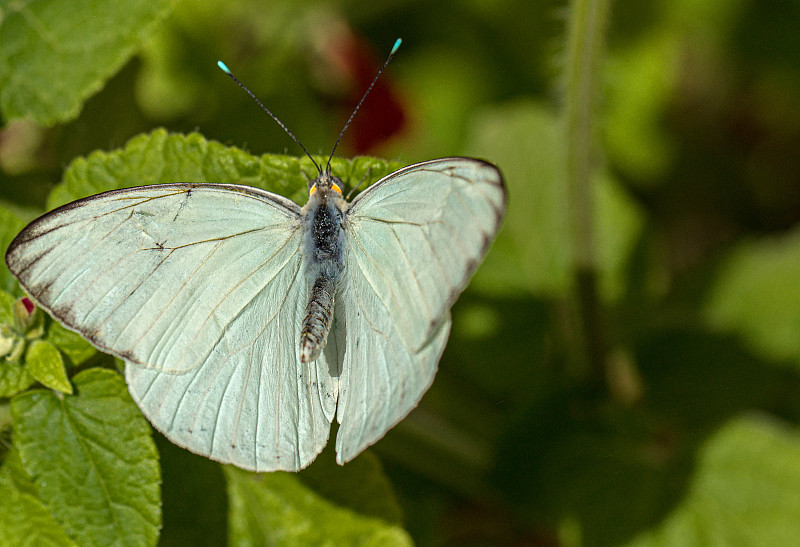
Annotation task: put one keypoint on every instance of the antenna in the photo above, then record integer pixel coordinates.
(350, 119)
(227, 71)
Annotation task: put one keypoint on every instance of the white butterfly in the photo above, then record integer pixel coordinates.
(220, 299)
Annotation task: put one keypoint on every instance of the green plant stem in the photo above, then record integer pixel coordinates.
(585, 52)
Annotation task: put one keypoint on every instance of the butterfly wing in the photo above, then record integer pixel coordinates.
(413, 241)
(198, 288)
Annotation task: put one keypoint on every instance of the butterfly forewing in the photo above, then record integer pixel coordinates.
(419, 234)
(154, 274)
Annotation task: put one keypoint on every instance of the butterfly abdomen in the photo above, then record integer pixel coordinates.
(324, 255)
(317, 322)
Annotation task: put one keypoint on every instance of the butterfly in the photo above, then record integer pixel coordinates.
(248, 323)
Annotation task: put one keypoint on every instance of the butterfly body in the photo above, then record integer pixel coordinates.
(323, 218)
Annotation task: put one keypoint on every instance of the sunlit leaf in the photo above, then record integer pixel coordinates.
(54, 55)
(277, 509)
(24, 518)
(159, 158)
(70, 343)
(44, 362)
(92, 460)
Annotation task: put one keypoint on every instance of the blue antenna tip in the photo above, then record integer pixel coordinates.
(396, 45)
(224, 67)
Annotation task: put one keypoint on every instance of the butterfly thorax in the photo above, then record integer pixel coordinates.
(324, 261)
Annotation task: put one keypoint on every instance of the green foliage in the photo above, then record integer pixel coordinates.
(10, 225)
(525, 138)
(726, 503)
(375, 496)
(33, 348)
(687, 431)
(14, 377)
(277, 509)
(162, 158)
(24, 517)
(45, 364)
(75, 348)
(54, 55)
(757, 295)
(91, 460)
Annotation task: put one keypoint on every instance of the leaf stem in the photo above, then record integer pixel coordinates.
(587, 23)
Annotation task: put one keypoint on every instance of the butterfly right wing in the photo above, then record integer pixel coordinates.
(199, 288)
(414, 239)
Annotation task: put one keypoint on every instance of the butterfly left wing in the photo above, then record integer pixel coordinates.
(413, 241)
(200, 288)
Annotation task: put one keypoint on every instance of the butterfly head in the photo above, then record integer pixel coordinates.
(325, 184)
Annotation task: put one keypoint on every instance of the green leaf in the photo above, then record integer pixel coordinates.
(756, 294)
(92, 460)
(44, 362)
(277, 509)
(10, 226)
(361, 485)
(734, 501)
(532, 252)
(69, 343)
(14, 379)
(24, 518)
(160, 157)
(54, 55)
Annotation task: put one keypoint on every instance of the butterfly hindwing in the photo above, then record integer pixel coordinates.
(251, 403)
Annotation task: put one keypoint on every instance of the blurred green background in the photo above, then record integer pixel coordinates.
(690, 436)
